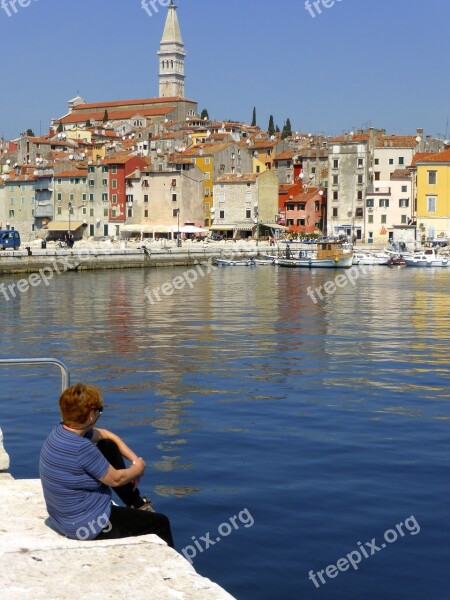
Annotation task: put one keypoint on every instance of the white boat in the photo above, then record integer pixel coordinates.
(222, 262)
(327, 254)
(426, 258)
(371, 258)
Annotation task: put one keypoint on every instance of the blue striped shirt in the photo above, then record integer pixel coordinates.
(70, 467)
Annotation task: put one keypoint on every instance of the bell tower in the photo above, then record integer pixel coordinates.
(171, 57)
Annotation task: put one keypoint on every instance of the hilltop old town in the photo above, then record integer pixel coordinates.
(155, 167)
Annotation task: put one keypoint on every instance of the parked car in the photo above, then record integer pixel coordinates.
(9, 239)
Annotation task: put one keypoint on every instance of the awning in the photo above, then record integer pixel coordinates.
(158, 228)
(131, 228)
(272, 226)
(222, 228)
(64, 225)
(191, 229)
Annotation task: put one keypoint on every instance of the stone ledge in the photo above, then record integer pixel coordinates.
(4, 458)
(38, 563)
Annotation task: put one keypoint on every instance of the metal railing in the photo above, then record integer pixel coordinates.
(65, 376)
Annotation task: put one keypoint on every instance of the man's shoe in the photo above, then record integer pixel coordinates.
(147, 505)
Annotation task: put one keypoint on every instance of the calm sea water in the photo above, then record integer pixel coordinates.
(327, 423)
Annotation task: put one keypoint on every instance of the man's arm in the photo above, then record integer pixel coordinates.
(104, 434)
(116, 477)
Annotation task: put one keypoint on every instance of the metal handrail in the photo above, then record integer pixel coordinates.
(65, 375)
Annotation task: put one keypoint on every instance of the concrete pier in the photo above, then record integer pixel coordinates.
(38, 563)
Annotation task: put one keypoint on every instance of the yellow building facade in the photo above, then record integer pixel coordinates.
(433, 195)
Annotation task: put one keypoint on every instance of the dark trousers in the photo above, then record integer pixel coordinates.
(125, 521)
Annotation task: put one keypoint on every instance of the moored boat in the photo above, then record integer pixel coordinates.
(327, 254)
(371, 258)
(222, 262)
(427, 258)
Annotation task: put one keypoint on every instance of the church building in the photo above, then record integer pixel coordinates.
(171, 105)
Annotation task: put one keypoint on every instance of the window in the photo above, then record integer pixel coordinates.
(360, 195)
(84, 197)
(301, 206)
(114, 169)
(432, 177)
(370, 218)
(104, 169)
(59, 196)
(91, 183)
(175, 212)
(289, 207)
(377, 161)
(360, 179)
(113, 212)
(23, 199)
(370, 202)
(146, 212)
(207, 160)
(335, 195)
(71, 197)
(174, 197)
(335, 163)
(104, 198)
(360, 162)
(248, 214)
(300, 222)
(91, 212)
(383, 219)
(384, 203)
(359, 212)
(145, 197)
(431, 203)
(335, 179)
(11, 213)
(221, 214)
(404, 219)
(391, 161)
(404, 189)
(105, 182)
(130, 212)
(11, 200)
(114, 184)
(91, 169)
(207, 176)
(401, 160)
(59, 181)
(403, 203)
(71, 210)
(59, 210)
(105, 212)
(114, 198)
(335, 212)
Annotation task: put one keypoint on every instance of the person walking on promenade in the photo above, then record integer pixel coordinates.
(79, 464)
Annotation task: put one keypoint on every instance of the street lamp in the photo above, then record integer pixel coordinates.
(178, 228)
(70, 211)
(256, 221)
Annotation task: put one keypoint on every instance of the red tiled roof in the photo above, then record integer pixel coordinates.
(396, 141)
(119, 103)
(286, 155)
(434, 158)
(208, 149)
(238, 178)
(114, 115)
(74, 173)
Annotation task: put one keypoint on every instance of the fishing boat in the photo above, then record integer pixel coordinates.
(327, 254)
(371, 258)
(427, 258)
(222, 262)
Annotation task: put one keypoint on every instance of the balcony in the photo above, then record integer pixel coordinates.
(375, 189)
(43, 185)
(43, 210)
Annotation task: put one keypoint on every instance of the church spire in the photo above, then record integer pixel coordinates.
(171, 57)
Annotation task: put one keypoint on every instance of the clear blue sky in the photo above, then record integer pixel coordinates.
(379, 62)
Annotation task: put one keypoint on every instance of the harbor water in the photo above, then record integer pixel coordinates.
(284, 431)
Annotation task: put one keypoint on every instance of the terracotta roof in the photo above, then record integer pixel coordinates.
(419, 157)
(396, 141)
(74, 173)
(357, 137)
(286, 155)
(114, 115)
(20, 178)
(119, 103)
(400, 174)
(176, 159)
(238, 178)
(208, 149)
(433, 158)
(264, 144)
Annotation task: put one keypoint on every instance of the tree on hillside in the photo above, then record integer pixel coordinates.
(105, 116)
(205, 114)
(277, 129)
(271, 128)
(287, 129)
(30, 133)
(254, 117)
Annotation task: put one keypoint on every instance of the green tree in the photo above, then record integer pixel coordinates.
(254, 117)
(30, 133)
(287, 129)
(205, 114)
(105, 116)
(277, 129)
(271, 128)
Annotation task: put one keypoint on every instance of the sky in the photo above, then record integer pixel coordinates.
(359, 63)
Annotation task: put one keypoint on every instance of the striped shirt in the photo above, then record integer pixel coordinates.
(70, 467)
